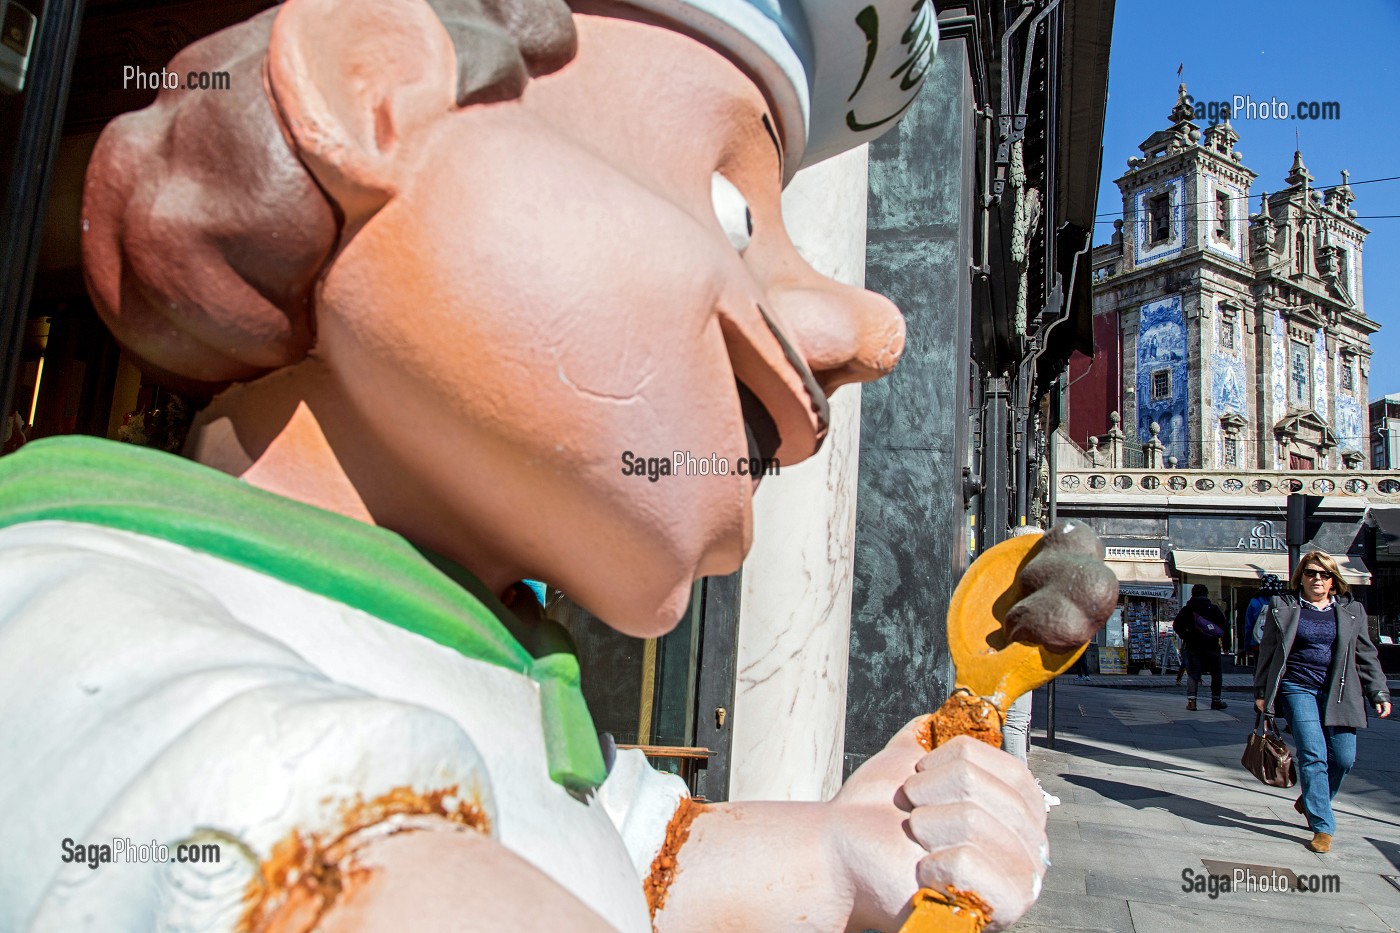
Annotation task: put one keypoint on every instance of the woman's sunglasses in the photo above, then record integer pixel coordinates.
(1316, 572)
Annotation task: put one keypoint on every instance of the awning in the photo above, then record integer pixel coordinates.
(1143, 578)
(1387, 525)
(1252, 565)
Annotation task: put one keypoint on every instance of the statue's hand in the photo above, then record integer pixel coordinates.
(964, 815)
(1069, 591)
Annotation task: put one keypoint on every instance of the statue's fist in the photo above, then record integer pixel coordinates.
(964, 815)
(1070, 592)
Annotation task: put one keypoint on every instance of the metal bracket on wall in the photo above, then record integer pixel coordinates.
(1011, 129)
(1011, 122)
(1054, 305)
(981, 266)
(971, 488)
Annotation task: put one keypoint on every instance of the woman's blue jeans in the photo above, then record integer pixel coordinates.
(1324, 756)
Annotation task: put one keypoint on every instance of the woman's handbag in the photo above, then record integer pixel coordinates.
(1266, 757)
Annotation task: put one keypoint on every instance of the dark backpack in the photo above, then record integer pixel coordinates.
(1206, 627)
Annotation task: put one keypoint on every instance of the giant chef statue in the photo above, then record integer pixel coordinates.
(436, 263)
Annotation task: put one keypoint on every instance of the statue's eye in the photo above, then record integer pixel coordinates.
(732, 211)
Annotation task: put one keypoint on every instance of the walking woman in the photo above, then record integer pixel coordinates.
(1316, 661)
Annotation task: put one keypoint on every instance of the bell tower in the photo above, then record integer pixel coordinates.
(1183, 310)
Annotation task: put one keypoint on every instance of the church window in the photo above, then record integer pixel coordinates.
(1159, 217)
(1222, 216)
(1162, 384)
(1348, 380)
(1299, 242)
(1299, 370)
(1232, 453)
(1227, 335)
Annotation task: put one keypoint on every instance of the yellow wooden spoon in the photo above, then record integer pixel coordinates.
(991, 672)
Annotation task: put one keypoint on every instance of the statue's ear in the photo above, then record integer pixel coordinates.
(354, 81)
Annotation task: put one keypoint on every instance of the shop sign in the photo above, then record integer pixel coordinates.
(1261, 537)
(1231, 533)
(1147, 590)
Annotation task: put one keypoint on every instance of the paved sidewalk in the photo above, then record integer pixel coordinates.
(1150, 790)
(1229, 682)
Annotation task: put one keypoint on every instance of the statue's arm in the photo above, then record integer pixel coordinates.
(441, 879)
(758, 866)
(965, 815)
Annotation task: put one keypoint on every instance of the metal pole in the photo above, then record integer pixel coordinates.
(1052, 462)
(1021, 438)
(22, 211)
(996, 470)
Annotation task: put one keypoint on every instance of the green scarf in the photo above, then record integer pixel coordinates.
(83, 479)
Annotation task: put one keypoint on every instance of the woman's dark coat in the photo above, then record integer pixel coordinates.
(1354, 661)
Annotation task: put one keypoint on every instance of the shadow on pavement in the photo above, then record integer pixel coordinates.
(1390, 850)
(1192, 808)
(1116, 756)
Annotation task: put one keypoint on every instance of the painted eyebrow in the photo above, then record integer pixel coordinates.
(777, 146)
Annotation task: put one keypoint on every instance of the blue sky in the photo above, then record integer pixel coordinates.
(1294, 51)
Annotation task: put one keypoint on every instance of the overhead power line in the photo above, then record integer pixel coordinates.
(1357, 217)
(1250, 197)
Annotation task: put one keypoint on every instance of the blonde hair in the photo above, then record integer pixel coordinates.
(1328, 563)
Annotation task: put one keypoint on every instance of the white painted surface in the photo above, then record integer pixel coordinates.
(152, 691)
(795, 614)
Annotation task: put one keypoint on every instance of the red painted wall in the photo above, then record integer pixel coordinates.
(1094, 383)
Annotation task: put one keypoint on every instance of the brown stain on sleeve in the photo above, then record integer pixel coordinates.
(305, 873)
(663, 867)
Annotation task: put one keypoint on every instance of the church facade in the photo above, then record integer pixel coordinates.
(1241, 337)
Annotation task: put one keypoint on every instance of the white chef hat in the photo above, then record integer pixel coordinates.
(836, 73)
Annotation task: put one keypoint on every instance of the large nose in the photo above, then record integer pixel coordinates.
(845, 334)
(799, 338)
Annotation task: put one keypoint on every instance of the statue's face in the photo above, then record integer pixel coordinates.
(551, 289)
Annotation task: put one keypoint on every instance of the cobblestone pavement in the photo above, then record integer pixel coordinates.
(1151, 790)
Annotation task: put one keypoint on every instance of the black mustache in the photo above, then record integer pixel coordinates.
(759, 427)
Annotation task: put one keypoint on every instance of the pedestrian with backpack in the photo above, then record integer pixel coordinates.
(1200, 623)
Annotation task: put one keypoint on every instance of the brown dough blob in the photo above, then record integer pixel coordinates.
(1071, 591)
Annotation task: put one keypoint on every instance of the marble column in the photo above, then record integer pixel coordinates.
(912, 533)
(795, 610)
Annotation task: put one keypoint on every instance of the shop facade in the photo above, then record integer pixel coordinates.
(1225, 531)
(1138, 634)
